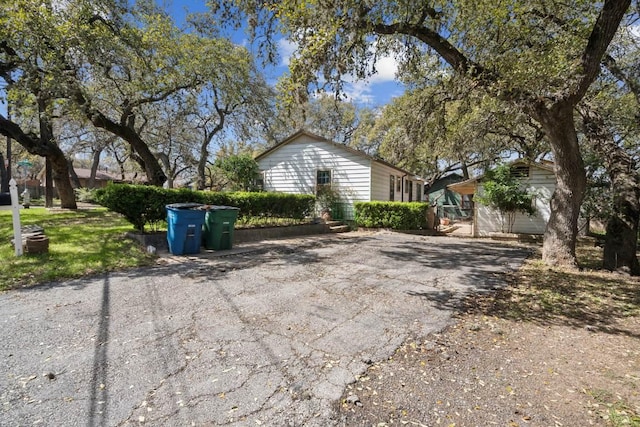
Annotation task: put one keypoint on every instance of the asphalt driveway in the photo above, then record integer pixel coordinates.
(268, 335)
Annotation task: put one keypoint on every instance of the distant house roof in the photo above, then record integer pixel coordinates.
(469, 186)
(84, 173)
(301, 132)
(442, 182)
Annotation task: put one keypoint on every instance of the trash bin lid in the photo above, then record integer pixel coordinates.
(221, 208)
(183, 205)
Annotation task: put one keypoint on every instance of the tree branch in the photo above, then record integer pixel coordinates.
(442, 46)
(619, 74)
(603, 31)
(30, 141)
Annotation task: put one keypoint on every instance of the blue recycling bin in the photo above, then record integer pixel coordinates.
(184, 228)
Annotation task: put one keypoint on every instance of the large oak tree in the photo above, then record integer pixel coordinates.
(112, 62)
(539, 55)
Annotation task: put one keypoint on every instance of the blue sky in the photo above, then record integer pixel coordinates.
(376, 91)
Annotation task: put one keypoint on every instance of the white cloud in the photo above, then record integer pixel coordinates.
(368, 91)
(387, 68)
(285, 50)
(361, 91)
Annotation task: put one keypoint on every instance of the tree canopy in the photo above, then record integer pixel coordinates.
(116, 66)
(539, 56)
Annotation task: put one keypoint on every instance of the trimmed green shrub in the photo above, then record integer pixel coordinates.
(394, 215)
(272, 205)
(141, 205)
(145, 206)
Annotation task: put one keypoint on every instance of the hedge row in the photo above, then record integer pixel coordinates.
(394, 215)
(144, 206)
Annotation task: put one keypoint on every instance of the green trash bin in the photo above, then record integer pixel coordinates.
(219, 223)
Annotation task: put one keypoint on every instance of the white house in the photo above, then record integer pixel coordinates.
(537, 178)
(304, 162)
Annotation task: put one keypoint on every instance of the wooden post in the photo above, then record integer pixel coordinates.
(15, 209)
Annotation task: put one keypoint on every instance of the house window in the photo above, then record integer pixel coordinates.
(520, 171)
(398, 184)
(259, 183)
(410, 191)
(406, 186)
(392, 187)
(323, 178)
(418, 192)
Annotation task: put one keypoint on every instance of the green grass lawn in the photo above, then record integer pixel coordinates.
(82, 242)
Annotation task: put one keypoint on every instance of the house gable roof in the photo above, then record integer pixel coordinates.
(318, 138)
(469, 186)
(442, 182)
(84, 173)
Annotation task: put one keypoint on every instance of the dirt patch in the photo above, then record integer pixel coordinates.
(556, 348)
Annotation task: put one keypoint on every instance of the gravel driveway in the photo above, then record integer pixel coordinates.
(268, 335)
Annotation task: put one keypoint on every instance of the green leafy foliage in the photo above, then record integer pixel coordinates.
(145, 206)
(394, 215)
(503, 191)
(240, 171)
(327, 197)
(87, 195)
(263, 204)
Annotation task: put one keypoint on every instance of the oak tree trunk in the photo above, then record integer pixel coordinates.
(59, 164)
(60, 174)
(95, 163)
(75, 180)
(621, 240)
(559, 247)
(4, 181)
(202, 166)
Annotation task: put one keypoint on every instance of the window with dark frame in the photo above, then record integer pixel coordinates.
(398, 184)
(392, 187)
(323, 177)
(259, 183)
(520, 171)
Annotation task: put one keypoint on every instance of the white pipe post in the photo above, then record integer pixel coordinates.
(15, 209)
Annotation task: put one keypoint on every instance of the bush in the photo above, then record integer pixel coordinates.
(86, 195)
(144, 206)
(503, 191)
(394, 215)
(140, 205)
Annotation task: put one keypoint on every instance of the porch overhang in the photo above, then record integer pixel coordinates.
(464, 187)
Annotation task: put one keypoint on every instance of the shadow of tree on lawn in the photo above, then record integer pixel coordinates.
(597, 300)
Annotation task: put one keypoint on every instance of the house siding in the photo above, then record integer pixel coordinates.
(380, 182)
(292, 169)
(540, 182)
